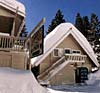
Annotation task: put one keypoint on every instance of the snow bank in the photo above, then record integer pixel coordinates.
(93, 77)
(92, 86)
(18, 81)
(22, 81)
(55, 91)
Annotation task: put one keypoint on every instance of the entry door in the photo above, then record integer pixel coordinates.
(81, 74)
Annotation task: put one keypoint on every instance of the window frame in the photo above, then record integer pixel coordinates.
(76, 51)
(59, 55)
(67, 49)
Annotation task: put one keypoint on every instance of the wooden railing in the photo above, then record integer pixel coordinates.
(12, 43)
(75, 57)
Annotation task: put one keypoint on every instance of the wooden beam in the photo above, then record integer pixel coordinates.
(14, 22)
(21, 27)
(37, 27)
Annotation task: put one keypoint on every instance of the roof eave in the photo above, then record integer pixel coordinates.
(21, 12)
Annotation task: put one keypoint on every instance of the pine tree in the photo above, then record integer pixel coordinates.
(95, 25)
(86, 25)
(24, 33)
(95, 28)
(79, 23)
(56, 21)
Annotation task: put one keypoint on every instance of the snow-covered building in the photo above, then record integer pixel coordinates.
(12, 20)
(65, 49)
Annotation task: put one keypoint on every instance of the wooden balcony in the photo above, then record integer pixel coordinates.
(75, 57)
(13, 52)
(8, 43)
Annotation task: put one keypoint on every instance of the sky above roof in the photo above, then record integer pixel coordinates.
(37, 9)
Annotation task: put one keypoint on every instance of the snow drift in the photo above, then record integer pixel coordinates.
(18, 81)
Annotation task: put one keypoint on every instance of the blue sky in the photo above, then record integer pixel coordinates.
(37, 9)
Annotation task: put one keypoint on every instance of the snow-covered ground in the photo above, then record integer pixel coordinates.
(21, 81)
(91, 86)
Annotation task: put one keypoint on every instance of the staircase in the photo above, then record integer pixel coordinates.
(44, 75)
(53, 70)
(59, 65)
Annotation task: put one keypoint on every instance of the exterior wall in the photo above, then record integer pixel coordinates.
(19, 60)
(47, 62)
(4, 12)
(13, 60)
(67, 74)
(5, 59)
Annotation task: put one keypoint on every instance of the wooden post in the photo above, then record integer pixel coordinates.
(36, 28)
(30, 54)
(14, 23)
(21, 27)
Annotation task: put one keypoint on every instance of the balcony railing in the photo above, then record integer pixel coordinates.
(75, 57)
(12, 43)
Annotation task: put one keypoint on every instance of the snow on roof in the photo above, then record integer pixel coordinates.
(53, 39)
(18, 81)
(12, 6)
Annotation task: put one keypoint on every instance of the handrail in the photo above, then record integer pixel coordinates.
(12, 43)
(51, 67)
(56, 70)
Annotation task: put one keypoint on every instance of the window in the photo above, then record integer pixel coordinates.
(76, 52)
(58, 52)
(67, 51)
